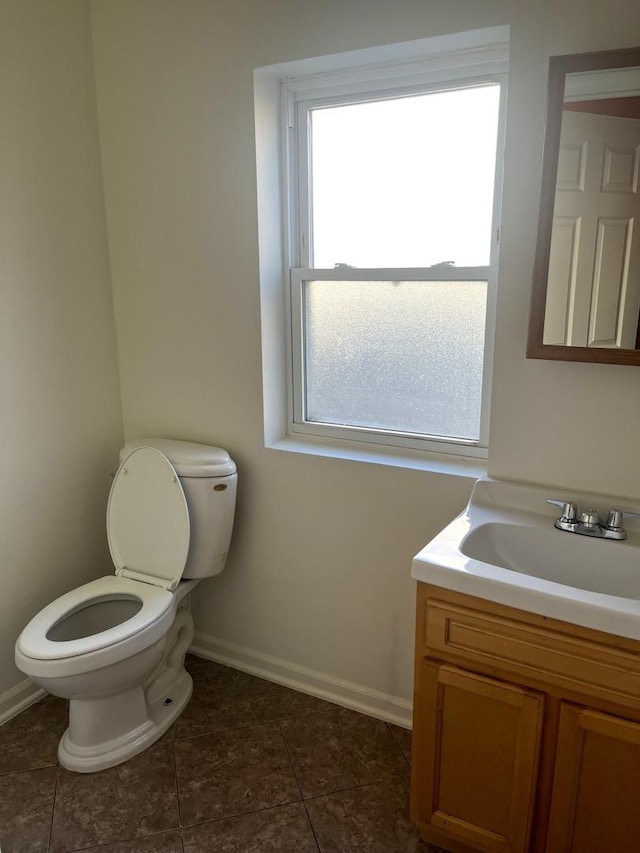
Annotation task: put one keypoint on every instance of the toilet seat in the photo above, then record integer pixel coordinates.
(148, 526)
(34, 642)
(149, 533)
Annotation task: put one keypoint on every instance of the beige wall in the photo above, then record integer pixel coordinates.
(60, 419)
(319, 572)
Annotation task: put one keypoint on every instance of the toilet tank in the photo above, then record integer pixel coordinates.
(208, 477)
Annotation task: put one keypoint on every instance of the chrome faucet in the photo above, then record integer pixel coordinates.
(589, 524)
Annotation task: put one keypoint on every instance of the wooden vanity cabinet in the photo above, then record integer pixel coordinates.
(478, 754)
(595, 802)
(526, 734)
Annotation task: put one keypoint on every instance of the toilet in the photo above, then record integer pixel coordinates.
(115, 647)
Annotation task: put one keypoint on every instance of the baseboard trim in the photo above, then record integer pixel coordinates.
(18, 698)
(348, 694)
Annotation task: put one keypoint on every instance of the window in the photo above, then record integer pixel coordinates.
(391, 192)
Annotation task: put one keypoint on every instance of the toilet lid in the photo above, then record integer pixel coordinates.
(147, 519)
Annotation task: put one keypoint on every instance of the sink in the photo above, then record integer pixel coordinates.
(551, 555)
(504, 547)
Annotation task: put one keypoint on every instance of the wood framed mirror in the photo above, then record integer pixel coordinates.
(585, 298)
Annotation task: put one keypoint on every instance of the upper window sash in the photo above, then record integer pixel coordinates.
(438, 69)
(298, 107)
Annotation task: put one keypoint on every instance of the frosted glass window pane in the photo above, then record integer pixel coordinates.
(405, 182)
(404, 356)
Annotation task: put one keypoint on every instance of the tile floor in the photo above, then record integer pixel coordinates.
(249, 767)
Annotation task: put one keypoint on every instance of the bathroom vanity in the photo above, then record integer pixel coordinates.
(527, 691)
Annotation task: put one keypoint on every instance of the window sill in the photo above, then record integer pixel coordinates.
(417, 460)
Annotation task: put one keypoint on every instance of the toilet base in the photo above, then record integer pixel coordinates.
(159, 714)
(107, 730)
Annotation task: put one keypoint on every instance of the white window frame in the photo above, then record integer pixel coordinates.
(430, 65)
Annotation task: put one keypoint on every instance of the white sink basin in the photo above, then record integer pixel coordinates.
(549, 554)
(504, 548)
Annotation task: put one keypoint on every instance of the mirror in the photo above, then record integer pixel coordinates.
(585, 302)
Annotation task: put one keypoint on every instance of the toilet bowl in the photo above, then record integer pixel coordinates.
(115, 647)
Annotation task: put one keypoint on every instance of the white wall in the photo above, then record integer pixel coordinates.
(60, 418)
(319, 572)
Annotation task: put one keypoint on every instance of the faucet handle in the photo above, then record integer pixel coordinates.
(616, 517)
(569, 510)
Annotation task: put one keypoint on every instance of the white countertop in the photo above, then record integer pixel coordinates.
(511, 525)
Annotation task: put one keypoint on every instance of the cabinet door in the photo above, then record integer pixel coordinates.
(475, 758)
(594, 804)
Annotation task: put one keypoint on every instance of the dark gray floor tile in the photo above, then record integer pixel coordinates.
(233, 773)
(340, 749)
(403, 738)
(26, 806)
(245, 702)
(285, 829)
(136, 798)
(214, 676)
(374, 818)
(282, 703)
(30, 740)
(163, 842)
(234, 747)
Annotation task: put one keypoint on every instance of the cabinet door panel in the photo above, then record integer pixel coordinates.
(594, 803)
(477, 756)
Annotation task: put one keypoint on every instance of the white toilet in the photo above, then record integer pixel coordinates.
(115, 647)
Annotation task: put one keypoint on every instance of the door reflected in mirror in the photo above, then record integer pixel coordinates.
(593, 291)
(586, 296)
